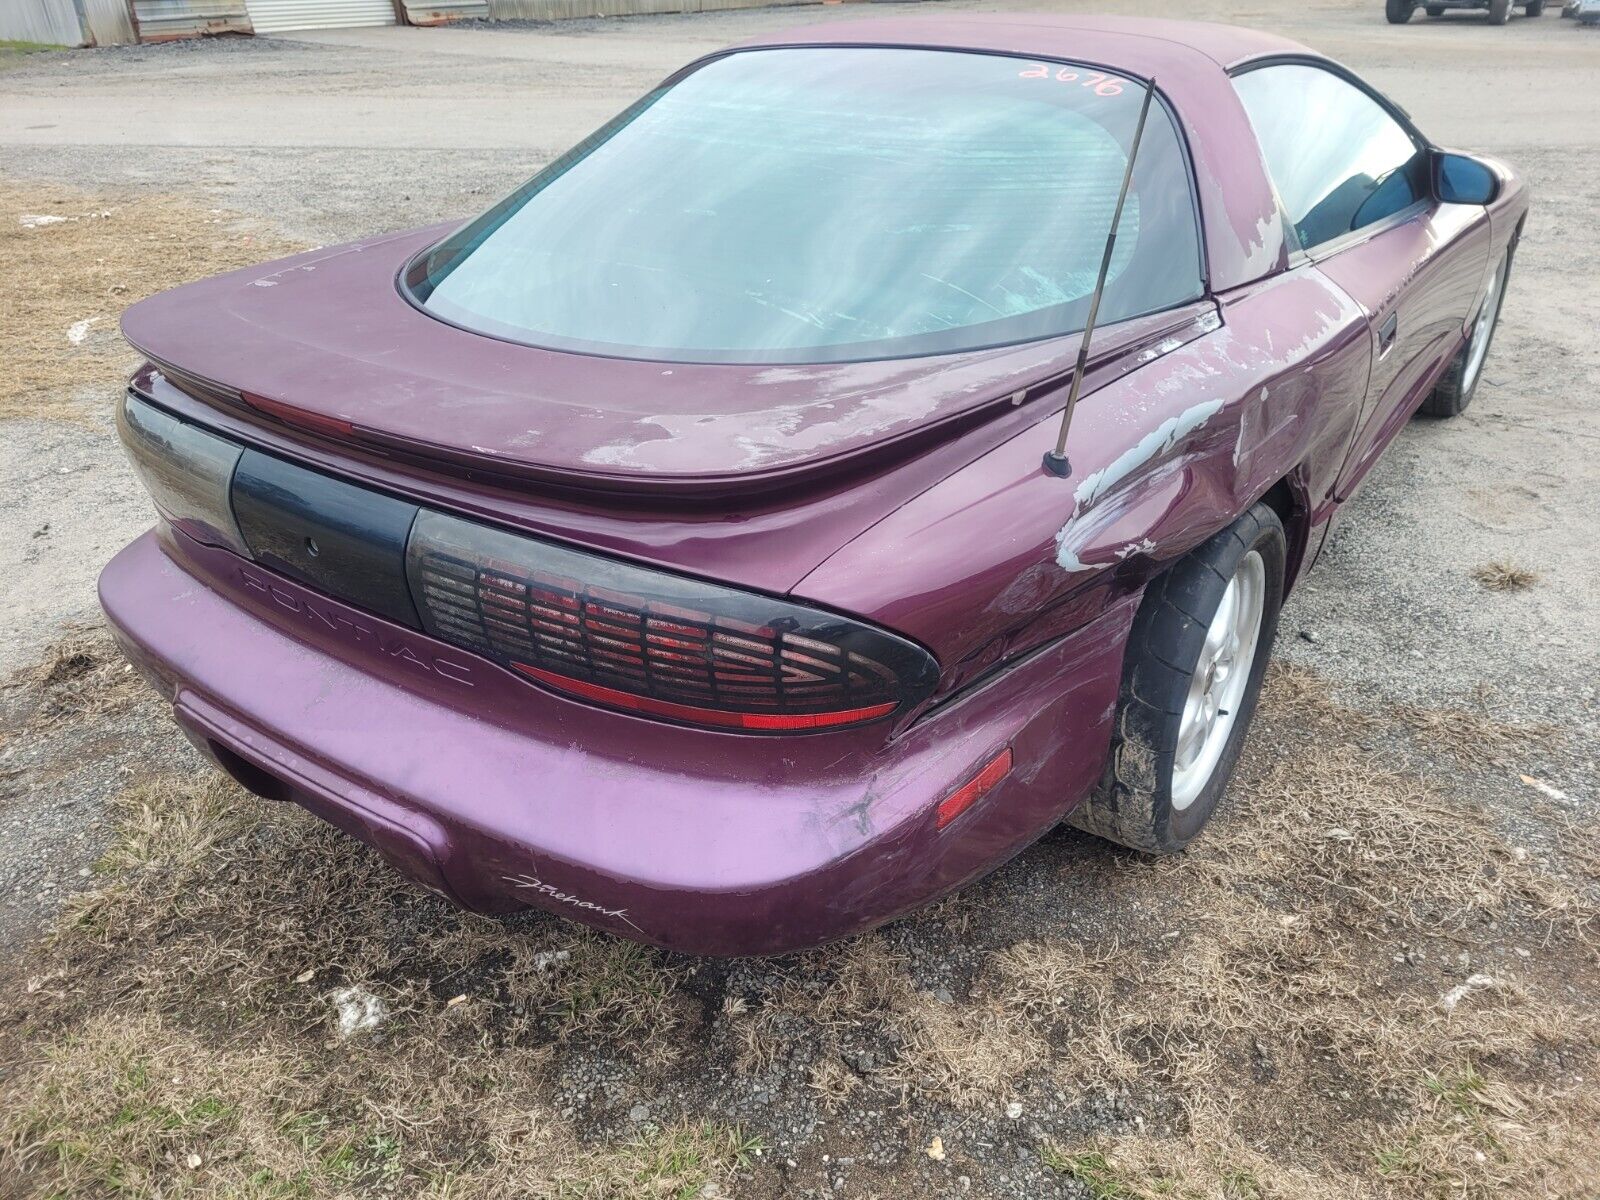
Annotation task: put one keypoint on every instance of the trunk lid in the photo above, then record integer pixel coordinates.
(325, 341)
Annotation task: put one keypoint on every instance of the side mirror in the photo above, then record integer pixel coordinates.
(1458, 179)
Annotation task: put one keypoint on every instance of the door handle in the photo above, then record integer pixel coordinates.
(1386, 333)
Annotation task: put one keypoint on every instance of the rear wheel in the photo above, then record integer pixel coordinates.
(1499, 11)
(1399, 11)
(1454, 391)
(1190, 678)
(1534, 8)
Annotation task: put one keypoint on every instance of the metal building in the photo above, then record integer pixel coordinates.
(116, 22)
(48, 22)
(163, 20)
(107, 22)
(282, 16)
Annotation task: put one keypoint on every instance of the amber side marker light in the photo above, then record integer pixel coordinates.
(975, 789)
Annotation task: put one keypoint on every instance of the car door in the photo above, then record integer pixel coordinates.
(1354, 181)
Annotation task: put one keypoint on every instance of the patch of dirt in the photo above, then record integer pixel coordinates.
(1353, 986)
(79, 260)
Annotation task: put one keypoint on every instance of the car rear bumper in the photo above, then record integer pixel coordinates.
(500, 796)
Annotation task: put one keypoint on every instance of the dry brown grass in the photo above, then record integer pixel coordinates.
(1308, 695)
(833, 1082)
(99, 253)
(959, 1053)
(185, 1008)
(1216, 1167)
(141, 1107)
(1307, 925)
(192, 852)
(1335, 836)
(1272, 999)
(1475, 736)
(82, 675)
(968, 1054)
(1504, 577)
(1470, 1138)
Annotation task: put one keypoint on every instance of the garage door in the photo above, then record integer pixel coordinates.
(283, 16)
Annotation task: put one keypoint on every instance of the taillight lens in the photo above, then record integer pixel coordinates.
(187, 471)
(662, 645)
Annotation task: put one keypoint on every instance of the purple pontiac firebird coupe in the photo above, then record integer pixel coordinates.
(792, 501)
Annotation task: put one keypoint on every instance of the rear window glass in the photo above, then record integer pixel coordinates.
(832, 204)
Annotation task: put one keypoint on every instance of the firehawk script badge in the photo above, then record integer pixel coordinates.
(533, 884)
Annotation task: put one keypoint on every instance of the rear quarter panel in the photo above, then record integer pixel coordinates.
(1001, 556)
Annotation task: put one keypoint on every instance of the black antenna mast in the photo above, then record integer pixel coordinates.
(1055, 461)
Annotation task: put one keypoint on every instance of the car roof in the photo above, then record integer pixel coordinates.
(1242, 226)
(1151, 42)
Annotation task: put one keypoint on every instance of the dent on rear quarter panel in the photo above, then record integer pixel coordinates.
(1002, 556)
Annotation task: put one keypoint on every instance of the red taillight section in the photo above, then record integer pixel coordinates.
(975, 789)
(767, 722)
(290, 415)
(652, 643)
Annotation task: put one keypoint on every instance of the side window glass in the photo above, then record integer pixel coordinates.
(1338, 159)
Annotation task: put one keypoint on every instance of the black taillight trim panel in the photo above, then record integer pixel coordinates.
(346, 540)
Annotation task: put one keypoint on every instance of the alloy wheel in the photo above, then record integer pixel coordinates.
(1483, 330)
(1217, 688)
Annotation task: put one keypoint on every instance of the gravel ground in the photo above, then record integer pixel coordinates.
(339, 134)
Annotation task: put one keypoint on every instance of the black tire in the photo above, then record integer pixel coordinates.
(1499, 11)
(1134, 804)
(1533, 8)
(1459, 383)
(1399, 11)
(1434, 10)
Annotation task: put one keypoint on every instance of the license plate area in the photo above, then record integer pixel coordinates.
(346, 541)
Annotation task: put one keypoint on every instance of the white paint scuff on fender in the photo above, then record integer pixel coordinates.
(1066, 558)
(1154, 444)
(1157, 442)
